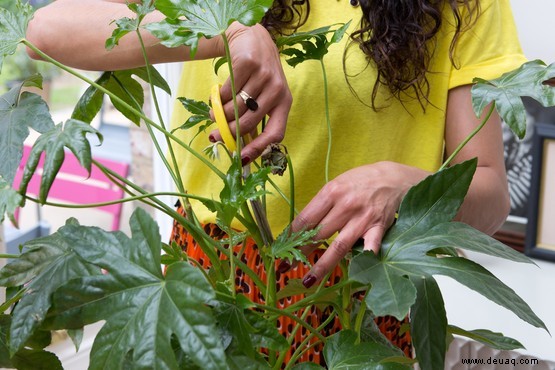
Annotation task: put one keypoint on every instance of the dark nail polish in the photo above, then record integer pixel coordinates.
(283, 267)
(245, 160)
(211, 138)
(309, 281)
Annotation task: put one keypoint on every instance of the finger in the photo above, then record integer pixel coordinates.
(331, 223)
(337, 250)
(373, 238)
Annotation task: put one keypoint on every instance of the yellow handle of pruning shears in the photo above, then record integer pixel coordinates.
(221, 121)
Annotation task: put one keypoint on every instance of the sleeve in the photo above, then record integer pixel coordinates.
(490, 47)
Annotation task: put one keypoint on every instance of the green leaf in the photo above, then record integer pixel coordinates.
(71, 135)
(507, 90)
(204, 18)
(142, 309)
(126, 25)
(392, 293)
(286, 244)
(231, 318)
(423, 226)
(237, 192)
(46, 264)
(91, 101)
(429, 324)
(200, 112)
(266, 334)
(19, 112)
(9, 201)
(13, 27)
(434, 200)
(26, 358)
(487, 337)
(343, 352)
(314, 44)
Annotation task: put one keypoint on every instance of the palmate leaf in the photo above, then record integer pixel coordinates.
(314, 44)
(13, 27)
(343, 352)
(71, 135)
(19, 112)
(124, 86)
(420, 230)
(189, 20)
(142, 309)
(25, 358)
(506, 92)
(46, 264)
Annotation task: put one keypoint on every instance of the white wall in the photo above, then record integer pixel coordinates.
(536, 27)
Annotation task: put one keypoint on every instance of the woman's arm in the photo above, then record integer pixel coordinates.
(74, 32)
(361, 203)
(487, 203)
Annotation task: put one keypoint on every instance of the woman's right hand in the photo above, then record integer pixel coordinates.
(257, 70)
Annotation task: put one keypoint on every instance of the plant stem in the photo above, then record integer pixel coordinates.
(140, 114)
(292, 317)
(328, 121)
(465, 141)
(300, 349)
(291, 189)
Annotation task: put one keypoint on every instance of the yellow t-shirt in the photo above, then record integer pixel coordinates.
(402, 133)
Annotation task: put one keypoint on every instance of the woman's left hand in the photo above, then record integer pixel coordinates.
(360, 203)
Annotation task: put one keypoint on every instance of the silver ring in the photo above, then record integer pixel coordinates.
(249, 101)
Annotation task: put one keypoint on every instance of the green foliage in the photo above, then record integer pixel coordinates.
(142, 307)
(19, 112)
(286, 244)
(126, 25)
(236, 192)
(401, 277)
(185, 317)
(9, 200)
(342, 351)
(187, 21)
(124, 86)
(200, 112)
(46, 264)
(487, 337)
(28, 358)
(314, 44)
(429, 324)
(507, 90)
(13, 26)
(71, 135)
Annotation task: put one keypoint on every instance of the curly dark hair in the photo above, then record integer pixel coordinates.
(397, 36)
(285, 16)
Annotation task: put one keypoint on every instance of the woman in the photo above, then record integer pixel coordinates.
(404, 106)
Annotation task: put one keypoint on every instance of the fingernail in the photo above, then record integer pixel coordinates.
(245, 160)
(211, 138)
(283, 267)
(309, 281)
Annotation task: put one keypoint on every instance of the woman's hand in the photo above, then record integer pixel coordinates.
(360, 203)
(258, 72)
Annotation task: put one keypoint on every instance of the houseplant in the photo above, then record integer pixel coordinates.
(181, 316)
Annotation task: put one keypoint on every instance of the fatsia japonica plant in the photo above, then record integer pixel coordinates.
(160, 309)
